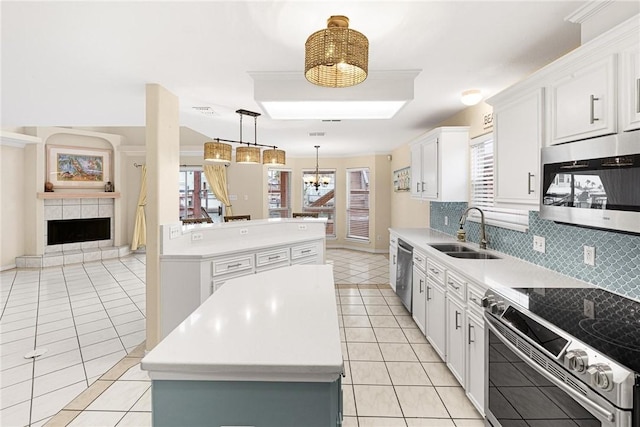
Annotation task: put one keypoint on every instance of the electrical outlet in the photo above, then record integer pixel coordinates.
(244, 231)
(302, 226)
(590, 255)
(196, 236)
(174, 231)
(446, 220)
(589, 309)
(539, 244)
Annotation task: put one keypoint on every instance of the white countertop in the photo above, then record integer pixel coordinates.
(280, 325)
(508, 271)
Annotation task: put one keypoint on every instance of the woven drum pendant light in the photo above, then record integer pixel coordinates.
(248, 155)
(218, 152)
(273, 157)
(336, 56)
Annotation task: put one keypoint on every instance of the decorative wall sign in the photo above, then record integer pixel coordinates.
(401, 179)
(73, 167)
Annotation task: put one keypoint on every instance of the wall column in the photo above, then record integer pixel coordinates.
(163, 165)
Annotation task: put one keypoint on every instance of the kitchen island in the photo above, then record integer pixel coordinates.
(264, 350)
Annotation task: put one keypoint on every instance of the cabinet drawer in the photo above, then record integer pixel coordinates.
(456, 286)
(435, 271)
(419, 260)
(474, 299)
(272, 257)
(303, 251)
(231, 265)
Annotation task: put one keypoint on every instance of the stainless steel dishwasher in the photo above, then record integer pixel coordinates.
(404, 273)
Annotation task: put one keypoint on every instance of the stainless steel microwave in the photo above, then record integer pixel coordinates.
(593, 183)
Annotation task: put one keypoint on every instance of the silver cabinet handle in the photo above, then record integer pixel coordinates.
(434, 271)
(271, 258)
(428, 297)
(394, 259)
(457, 322)
(306, 251)
(470, 328)
(453, 285)
(417, 187)
(529, 176)
(418, 259)
(423, 186)
(592, 118)
(421, 283)
(234, 265)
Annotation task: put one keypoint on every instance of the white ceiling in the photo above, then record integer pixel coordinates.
(86, 64)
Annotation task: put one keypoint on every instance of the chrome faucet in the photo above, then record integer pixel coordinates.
(483, 234)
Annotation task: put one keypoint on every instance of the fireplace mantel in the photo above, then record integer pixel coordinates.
(88, 195)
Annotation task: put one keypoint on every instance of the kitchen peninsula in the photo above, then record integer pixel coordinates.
(263, 350)
(197, 260)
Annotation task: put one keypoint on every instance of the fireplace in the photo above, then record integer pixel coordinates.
(78, 230)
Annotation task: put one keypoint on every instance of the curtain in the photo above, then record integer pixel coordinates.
(217, 179)
(140, 227)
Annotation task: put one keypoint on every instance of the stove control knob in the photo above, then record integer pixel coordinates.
(578, 360)
(488, 300)
(601, 376)
(497, 307)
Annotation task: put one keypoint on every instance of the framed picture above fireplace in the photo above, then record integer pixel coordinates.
(74, 167)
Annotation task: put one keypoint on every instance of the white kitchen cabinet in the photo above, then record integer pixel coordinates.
(419, 301)
(435, 328)
(455, 339)
(475, 370)
(630, 89)
(393, 260)
(439, 165)
(518, 137)
(582, 101)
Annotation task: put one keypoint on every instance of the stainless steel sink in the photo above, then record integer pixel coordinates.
(472, 255)
(456, 250)
(451, 247)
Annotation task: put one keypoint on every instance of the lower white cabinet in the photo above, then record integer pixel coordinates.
(419, 301)
(475, 376)
(393, 261)
(455, 339)
(435, 328)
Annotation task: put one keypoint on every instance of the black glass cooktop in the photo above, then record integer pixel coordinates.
(605, 321)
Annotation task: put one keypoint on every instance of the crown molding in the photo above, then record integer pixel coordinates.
(12, 139)
(587, 11)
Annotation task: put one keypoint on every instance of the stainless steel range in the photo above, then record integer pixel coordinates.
(562, 357)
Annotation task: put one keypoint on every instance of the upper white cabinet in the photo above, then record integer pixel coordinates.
(582, 101)
(439, 165)
(518, 137)
(630, 88)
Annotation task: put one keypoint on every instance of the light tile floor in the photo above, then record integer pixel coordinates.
(392, 375)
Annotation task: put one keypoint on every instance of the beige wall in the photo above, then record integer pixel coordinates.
(12, 197)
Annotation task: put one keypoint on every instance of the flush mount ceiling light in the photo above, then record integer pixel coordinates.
(216, 151)
(288, 96)
(471, 97)
(336, 56)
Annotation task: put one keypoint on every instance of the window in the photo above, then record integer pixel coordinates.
(318, 195)
(358, 203)
(482, 184)
(279, 193)
(196, 198)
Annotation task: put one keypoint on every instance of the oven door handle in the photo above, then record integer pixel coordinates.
(561, 385)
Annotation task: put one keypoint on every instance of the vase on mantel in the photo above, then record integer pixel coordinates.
(48, 187)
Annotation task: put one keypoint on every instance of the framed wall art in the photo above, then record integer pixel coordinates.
(401, 179)
(74, 167)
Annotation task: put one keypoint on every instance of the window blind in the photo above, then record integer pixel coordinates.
(482, 188)
(358, 203)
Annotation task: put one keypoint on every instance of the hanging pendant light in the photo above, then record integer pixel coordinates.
(316, 181)
(248, 155)
(273, 157)
(218, 152)
(336, 56)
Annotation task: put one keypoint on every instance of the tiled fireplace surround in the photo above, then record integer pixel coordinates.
(71, 253)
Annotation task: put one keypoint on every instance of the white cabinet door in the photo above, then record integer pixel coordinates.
(475, 377)
(630, 89)
(436, 333)
(429, 185)
(455, 339)
(583, 102)
(518, 139)
(418, 309)
(416, 171)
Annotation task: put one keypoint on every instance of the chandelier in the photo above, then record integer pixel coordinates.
(317, 181)
(336, 56)
(220, 152)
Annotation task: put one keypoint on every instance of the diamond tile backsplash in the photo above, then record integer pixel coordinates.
(617, 266)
